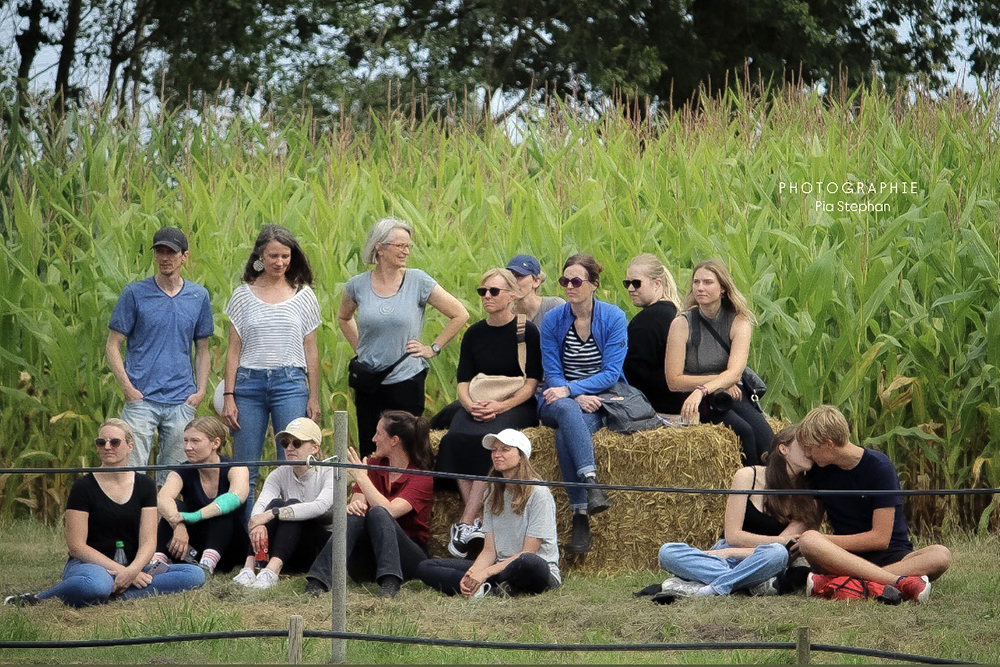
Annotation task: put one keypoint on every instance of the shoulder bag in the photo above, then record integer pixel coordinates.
(752, 383)
(627, 410)
(501, 387)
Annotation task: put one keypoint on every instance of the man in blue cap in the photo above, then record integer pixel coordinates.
(529, 276)
(160, 318)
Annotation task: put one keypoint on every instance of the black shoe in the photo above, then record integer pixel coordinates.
(581, 542)
(22, 600)
(597, 500)
(314, 588)
(389, 587)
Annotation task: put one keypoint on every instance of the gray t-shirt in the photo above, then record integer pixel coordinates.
(386, 324)
(538, 520)
(548, 303)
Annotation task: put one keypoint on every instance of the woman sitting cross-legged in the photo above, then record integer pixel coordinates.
(201, 509)
(388, 518)
(292, 517)
(757, 529)
(111, 534)
(491, 353)
(521, 554)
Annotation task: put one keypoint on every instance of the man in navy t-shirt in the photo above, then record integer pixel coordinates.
(870, 537)
(160, 318)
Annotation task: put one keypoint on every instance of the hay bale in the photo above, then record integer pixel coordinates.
(629, 535)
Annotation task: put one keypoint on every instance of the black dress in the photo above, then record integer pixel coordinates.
(493, 351)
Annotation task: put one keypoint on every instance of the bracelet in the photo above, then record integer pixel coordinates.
(229, 393)
(702, 389)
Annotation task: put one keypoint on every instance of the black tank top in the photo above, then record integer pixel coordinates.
(755, 521)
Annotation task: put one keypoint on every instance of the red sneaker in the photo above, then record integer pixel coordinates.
(816, 583)
(916, 589)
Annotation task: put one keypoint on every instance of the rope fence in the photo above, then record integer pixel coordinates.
(338, 634)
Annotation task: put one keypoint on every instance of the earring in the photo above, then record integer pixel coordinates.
(258, 265)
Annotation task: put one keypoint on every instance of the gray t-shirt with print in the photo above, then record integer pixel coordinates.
(386, 324)
(538, 520)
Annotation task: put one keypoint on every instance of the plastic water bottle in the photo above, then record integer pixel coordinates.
(260, 559)
(120, 553)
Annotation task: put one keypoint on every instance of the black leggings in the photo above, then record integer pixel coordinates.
(296, 543)
(749, 425)
(528, 574)
(224, 534)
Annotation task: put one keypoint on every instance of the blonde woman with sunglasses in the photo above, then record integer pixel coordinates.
(111, 534)
(489, 348)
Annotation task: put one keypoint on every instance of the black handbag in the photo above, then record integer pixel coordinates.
(627, 410)
(363, 379)
(753, 385)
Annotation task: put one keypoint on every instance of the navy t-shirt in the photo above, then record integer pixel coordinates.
(108, 521)
(850, 515)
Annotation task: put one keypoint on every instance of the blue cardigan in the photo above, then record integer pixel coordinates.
(608, 326)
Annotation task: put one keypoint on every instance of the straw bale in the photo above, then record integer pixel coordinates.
(629, 535)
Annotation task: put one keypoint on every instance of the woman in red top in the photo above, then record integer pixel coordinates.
(388, 518)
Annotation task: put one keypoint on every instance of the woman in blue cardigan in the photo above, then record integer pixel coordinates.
(584, 343)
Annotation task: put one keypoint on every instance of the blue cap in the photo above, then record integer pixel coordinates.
(524, 265)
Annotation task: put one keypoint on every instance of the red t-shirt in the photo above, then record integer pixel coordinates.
(418, 490)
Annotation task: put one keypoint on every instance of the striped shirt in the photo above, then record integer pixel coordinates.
(272, 333)
(580, 360)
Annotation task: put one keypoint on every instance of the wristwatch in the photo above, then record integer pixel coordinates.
(276, 511)
(436, 348)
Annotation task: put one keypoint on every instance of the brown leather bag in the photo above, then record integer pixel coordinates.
(501, 387)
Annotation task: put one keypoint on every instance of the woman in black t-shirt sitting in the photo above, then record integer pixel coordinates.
(111, 534)
(758, 530)
(202, 509)
(489, 348)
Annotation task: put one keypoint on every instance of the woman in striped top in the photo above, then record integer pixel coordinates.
(583, 351)
(272, 366)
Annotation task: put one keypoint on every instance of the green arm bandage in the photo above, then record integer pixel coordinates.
(191, 517)
(228, 502)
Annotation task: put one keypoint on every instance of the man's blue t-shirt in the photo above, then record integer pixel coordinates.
(160, 331)
(850, 515)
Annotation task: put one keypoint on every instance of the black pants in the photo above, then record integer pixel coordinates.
(749, 425)
(406, 395)
(528, 574)
(226, 534)
(376, 546)
(296, 543)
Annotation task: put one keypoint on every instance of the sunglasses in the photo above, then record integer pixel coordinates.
(575, 282)
(291, 442)
(114, 442)
(492, 291)
(632, 283)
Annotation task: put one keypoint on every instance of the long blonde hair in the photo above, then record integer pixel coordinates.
(522, 492)
(730, 295)
(657, 270)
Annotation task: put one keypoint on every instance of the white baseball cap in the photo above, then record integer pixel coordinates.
(510, 437)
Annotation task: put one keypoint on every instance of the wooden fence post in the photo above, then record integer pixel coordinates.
(295, 626)
(802, 647)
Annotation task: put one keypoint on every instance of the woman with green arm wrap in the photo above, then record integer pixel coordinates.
(206, 520)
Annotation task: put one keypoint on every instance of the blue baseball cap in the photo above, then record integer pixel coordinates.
(524, 265)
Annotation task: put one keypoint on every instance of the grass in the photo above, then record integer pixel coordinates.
(962, 620)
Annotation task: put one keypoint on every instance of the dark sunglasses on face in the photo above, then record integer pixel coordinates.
(291, 442)
(114, 442)
(492, 291)
(575, 282)
(633, 283)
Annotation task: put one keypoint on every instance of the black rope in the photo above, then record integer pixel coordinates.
(478, 644)
(535, 482)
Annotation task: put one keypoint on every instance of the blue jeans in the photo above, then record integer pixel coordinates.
(725, 575)
(168, 422)
(279, 393)
(574, 446)
(86, 584)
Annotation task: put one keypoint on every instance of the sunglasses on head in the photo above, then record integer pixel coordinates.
(575, 282)
(632, 283)
(492, 291)
(291, 442)
(114, 442)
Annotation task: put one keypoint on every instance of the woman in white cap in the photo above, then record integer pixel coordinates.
(291, 519)
(529, 277)
(521, 553)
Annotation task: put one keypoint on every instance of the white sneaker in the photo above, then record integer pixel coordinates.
(265, 579)
(764, 588)
(246, 577)
(483, 591)
(682, 588)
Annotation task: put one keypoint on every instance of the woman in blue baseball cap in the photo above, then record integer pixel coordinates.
(529, 277)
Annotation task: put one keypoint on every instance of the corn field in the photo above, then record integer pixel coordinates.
(864, 230)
